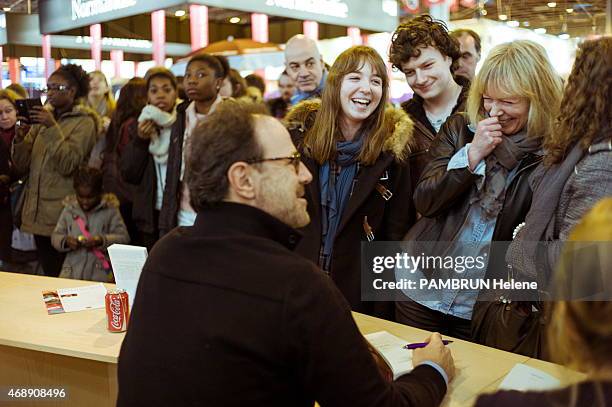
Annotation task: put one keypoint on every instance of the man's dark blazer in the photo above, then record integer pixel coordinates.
(227, 315)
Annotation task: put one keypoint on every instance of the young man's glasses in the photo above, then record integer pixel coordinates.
(55, 88)
(294, 159)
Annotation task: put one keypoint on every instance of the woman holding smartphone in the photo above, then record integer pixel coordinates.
(49, 149)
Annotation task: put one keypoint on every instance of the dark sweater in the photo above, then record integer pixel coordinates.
(227, 315)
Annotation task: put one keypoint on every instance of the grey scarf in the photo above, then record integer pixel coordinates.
(504, 158)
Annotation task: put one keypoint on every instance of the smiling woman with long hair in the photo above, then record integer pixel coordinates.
(356, 149)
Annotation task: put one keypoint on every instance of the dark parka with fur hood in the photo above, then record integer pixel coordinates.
(389, 217)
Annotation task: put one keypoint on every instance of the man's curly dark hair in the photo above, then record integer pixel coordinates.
(77, 77)
(421, 32)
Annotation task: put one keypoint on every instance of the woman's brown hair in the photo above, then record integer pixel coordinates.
(585, 110)
(320, 140)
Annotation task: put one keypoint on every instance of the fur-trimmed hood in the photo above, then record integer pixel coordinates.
(107, 201)
(399, 139)
(80, 109)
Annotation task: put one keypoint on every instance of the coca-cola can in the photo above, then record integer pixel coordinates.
(117, 310)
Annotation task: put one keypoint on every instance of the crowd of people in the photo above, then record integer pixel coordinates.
(254, 211)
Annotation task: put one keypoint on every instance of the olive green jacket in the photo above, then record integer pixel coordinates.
(50, 155)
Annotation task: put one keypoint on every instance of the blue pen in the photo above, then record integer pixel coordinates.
(422, 344)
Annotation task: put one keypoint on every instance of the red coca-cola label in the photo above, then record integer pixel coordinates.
(116, 318)
(117, 311)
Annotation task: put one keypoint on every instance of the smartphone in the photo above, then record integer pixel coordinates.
(24, 106)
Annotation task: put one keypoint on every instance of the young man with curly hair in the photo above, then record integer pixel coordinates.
(427, 55)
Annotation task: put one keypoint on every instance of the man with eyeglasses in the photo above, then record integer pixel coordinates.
(225, 312)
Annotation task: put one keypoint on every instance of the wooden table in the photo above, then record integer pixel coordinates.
(479, 369)
(72, 350)
(75, 351)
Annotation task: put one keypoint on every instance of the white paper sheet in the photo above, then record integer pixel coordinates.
(390, 347)
(523, 377)
(82, 298)
(127, 262)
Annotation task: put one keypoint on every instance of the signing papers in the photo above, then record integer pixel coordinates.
(391, 349)
(127, 264)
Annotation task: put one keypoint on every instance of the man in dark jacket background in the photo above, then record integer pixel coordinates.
(225, 312)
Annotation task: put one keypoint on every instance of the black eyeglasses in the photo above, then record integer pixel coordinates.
(294, 159)
(55, 88)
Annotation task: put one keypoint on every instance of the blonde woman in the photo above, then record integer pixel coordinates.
(356, 149)
(475, 189)
(100, 98)
(581, 331)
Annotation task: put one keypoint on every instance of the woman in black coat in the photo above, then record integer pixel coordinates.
(356, 150)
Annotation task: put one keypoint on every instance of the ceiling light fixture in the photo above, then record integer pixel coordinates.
(564, 36)
(552, 4)
(483, 12)
(513, 23)
(540, 30)
(234, 20)
(7, 9)
(569, 10)
(179, 13)
(503, 17)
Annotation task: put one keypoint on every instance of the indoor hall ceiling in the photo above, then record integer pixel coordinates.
(577, 18)
(19, 6)
(586, 17)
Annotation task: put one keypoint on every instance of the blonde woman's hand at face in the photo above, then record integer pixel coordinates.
(488, 136)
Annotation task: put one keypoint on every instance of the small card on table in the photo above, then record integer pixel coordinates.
(74, 299)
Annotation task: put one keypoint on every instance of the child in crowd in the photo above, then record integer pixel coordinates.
(89, 223)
